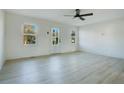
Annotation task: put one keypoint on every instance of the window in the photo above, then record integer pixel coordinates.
(29, 34)
(73, 37)
(55, 36)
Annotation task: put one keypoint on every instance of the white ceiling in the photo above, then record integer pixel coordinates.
(58, 15)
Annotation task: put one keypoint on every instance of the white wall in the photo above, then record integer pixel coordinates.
(1, 38)
(14, 37)
(106, 38)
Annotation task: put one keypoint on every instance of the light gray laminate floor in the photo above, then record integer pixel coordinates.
(69, 68)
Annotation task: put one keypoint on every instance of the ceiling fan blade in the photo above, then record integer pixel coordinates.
(69, 15)
(82, 18)
(89, 14)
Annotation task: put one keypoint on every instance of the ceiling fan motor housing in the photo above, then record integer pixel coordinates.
(77, 13)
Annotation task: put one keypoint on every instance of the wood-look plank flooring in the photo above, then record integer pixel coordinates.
(69, 68)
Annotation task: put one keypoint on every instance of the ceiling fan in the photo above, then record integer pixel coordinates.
(80, 16)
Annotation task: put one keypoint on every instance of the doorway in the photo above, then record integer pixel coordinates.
(55, 40)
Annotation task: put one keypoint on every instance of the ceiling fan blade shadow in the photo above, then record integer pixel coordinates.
(69, 15)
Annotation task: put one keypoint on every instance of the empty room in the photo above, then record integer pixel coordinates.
(62, 46)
